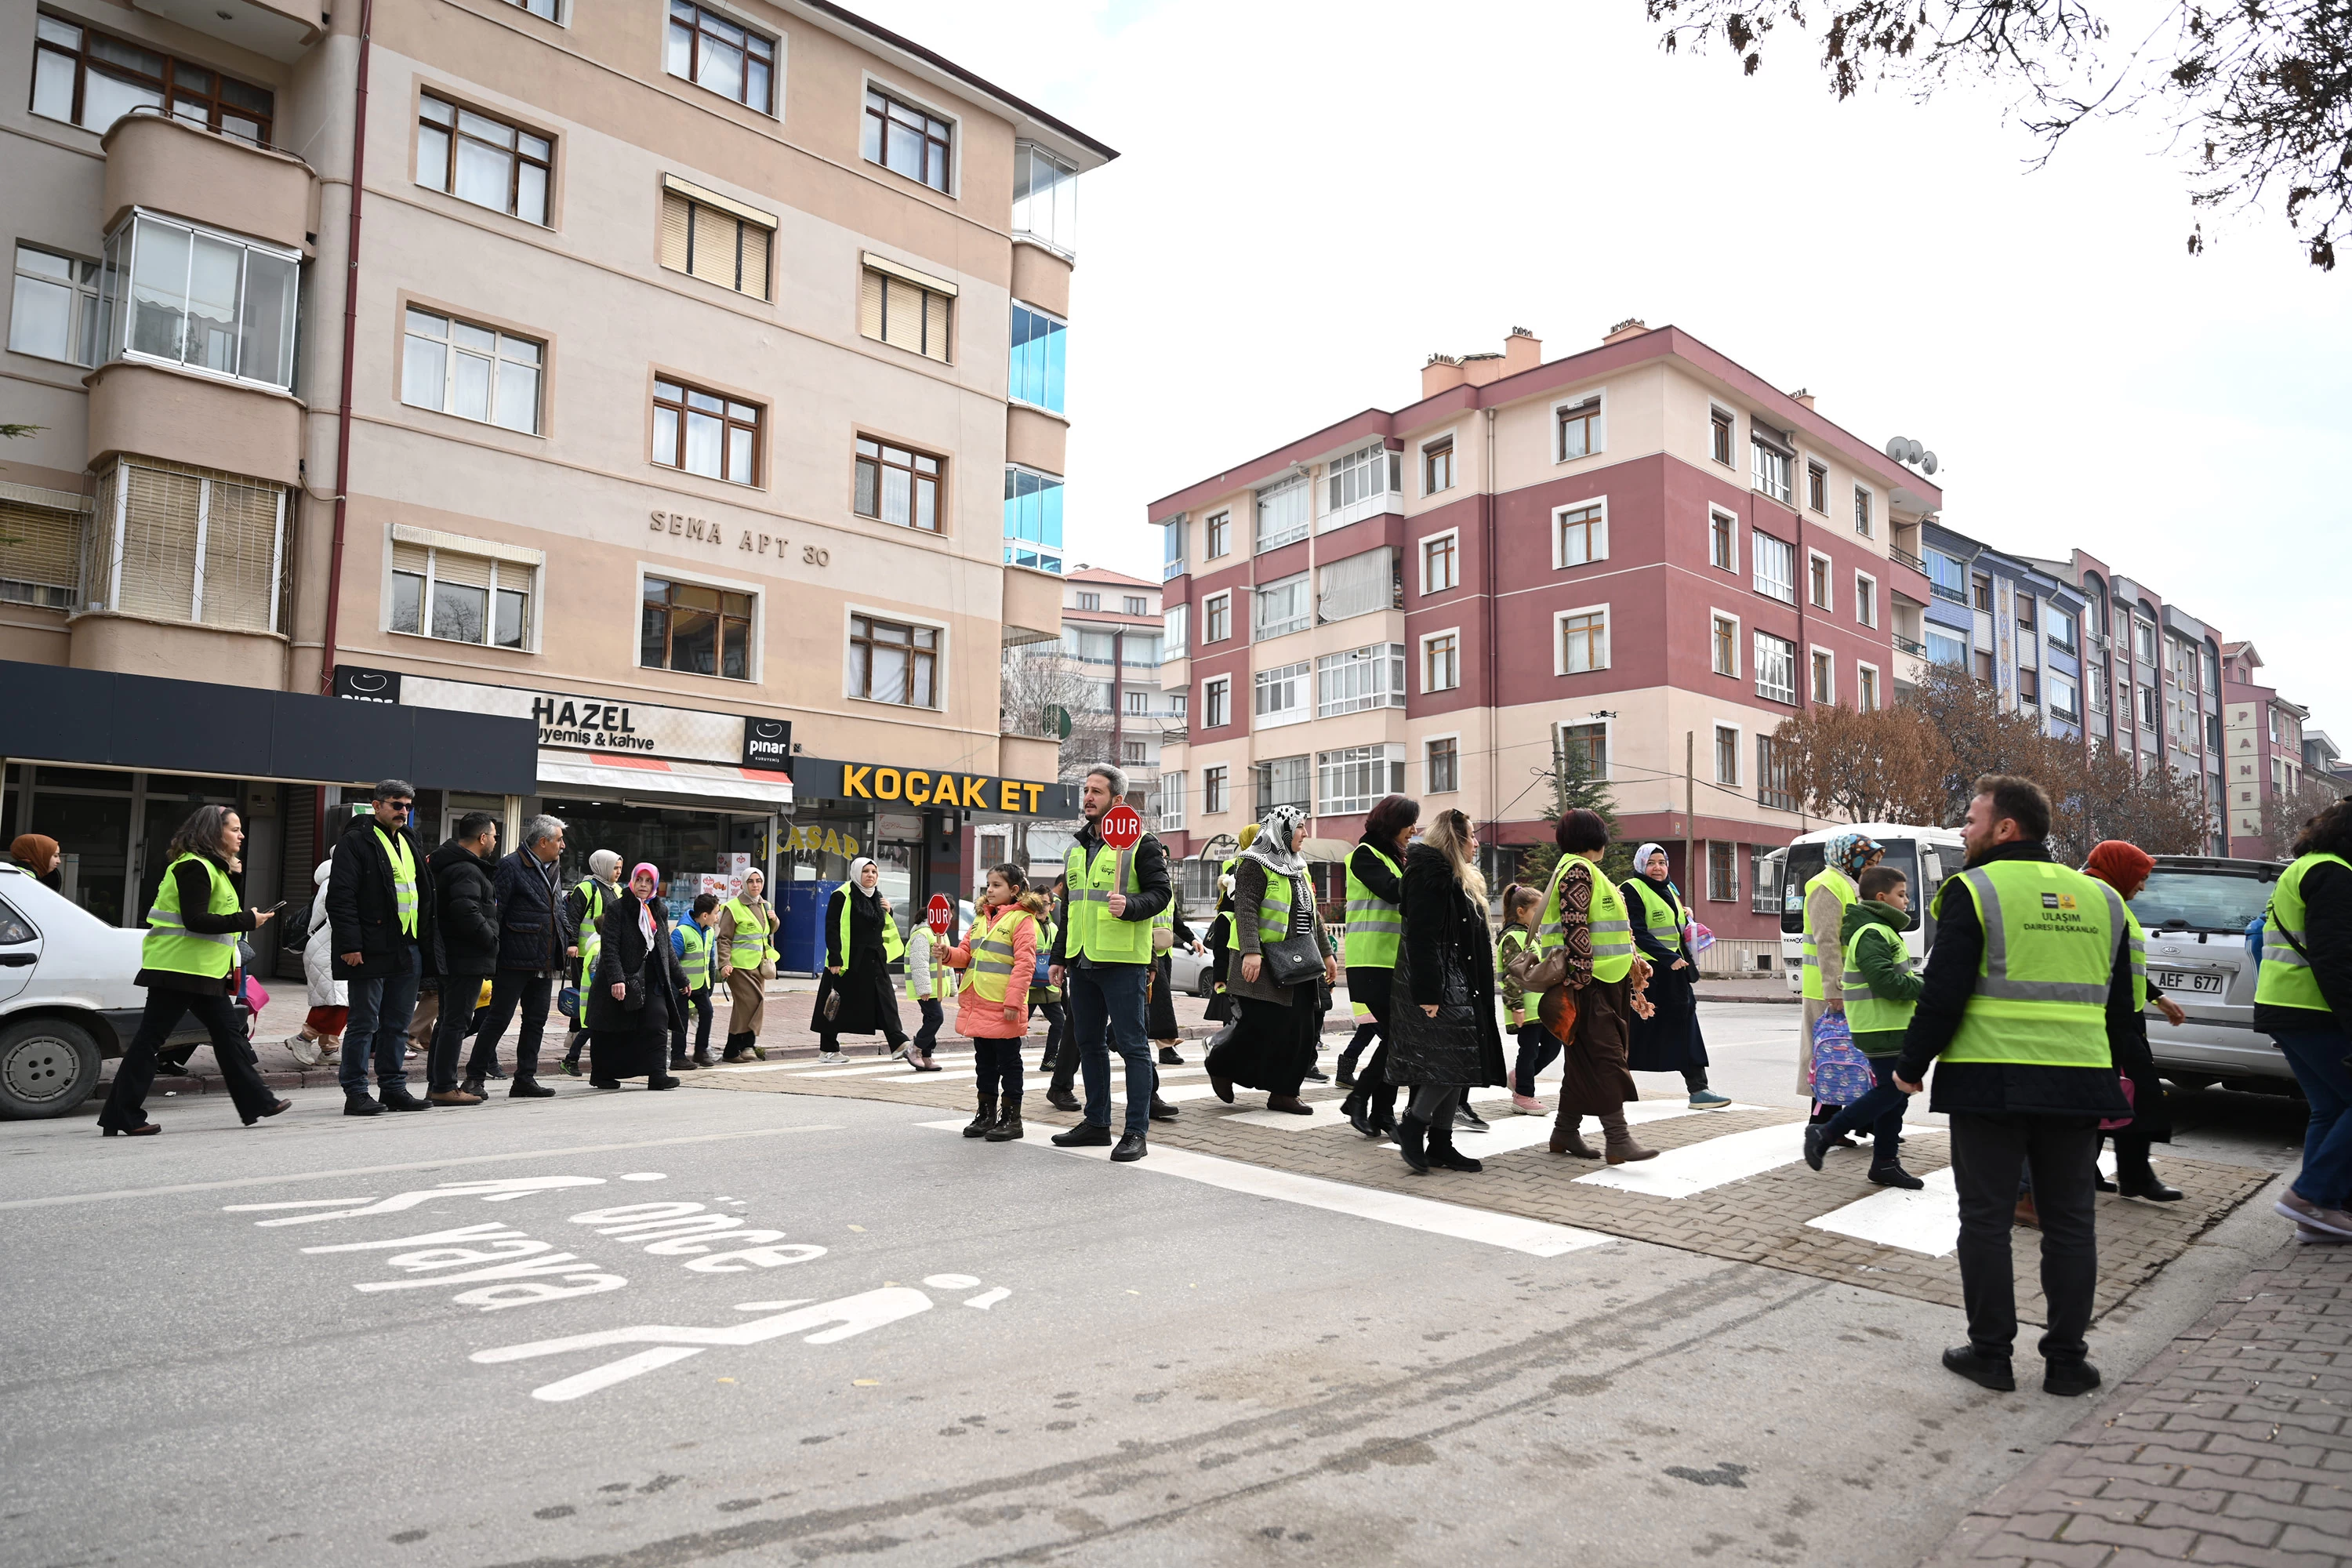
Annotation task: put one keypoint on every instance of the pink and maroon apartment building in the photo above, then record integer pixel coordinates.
(1643, 553)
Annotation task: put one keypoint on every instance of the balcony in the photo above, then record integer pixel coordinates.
(1904, 645)
(1903, 557)
(167, 165)
(203, 421)
(277, 29)
(1033, 607)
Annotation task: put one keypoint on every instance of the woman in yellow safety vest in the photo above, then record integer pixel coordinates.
(1272, 1045)
(743, 952)
(1669, 1040)
(2304, 1001)
(1827, 897)
(188, 964)
(861, 941)
(999, 959)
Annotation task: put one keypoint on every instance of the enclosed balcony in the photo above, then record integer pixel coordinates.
(211, 178)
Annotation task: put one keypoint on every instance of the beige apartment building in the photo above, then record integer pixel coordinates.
(649, 413)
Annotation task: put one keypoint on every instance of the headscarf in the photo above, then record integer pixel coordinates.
(645, 905)
(604, 865)
(2119, 864)
(1642, 866)
(1851, 852)
(858, 889)
(36, 852)
(1275, 847)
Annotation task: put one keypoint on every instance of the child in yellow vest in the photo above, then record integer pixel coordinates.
(1880, 991)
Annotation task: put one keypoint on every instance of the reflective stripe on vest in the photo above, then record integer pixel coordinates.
(170, 944)
(2040, 994)
(593, 894)
(2137, 938)
(1606, 923)
(1095, 932)
(1273, 927)
(1838, 882)
(1047, 991)
(1375, 926)
(1866, 1012)
(404, 877)
(750, 947)
(892, 948)
(696, 959)
(1663, 920)
(991, 969)
(2285, 979)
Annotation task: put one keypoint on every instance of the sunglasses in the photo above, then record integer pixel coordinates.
(401, 805)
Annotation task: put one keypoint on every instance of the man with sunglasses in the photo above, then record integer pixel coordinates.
(380, 907)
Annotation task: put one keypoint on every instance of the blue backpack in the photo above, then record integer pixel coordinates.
(1841, 1074)
(2254, 936)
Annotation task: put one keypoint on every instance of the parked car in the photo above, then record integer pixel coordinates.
(67, 1001)
(1190, 973)
(2195, 909)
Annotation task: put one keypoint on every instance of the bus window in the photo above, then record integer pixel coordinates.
(1805, 863)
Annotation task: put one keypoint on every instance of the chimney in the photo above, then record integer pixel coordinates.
(1803, 397)
(1631, 327)
(1480, 369)
(1442, 373)
(1521, 350)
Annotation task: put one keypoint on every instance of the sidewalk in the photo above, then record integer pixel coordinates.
(2233, 1445)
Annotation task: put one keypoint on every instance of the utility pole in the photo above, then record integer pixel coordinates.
(1118, 691)
(1690, 813)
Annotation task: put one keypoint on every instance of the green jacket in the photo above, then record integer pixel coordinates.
(1889, 977)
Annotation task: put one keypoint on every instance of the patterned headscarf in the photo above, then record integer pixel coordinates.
(1277, 845)
(646, 908)
(1851, 852)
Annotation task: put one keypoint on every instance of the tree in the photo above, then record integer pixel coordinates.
(2256, 93)
(1891, 765)
(1979, 735)
(2283, 818)
(1570, 784)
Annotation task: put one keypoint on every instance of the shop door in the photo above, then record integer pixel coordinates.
(166, 801)
(93, 831)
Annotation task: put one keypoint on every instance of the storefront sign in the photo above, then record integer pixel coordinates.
(356, 685)
(583, 721)
(768, 743)
(973, 792)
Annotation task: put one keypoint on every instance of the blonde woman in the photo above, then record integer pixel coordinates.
(747, 961)
(1443, 1038)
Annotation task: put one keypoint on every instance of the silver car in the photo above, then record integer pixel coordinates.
(1189, 974)
(2196, 910)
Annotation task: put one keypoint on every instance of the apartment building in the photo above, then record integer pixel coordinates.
(669, 397)
(1644, 553)
(2010, 624)
(2269, 753)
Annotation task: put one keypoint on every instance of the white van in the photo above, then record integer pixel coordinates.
(1925, 856)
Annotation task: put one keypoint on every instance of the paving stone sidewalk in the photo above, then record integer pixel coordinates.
(2233, 1445)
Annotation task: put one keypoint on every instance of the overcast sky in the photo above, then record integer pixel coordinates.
(1311, 198)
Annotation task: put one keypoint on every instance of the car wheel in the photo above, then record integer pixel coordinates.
(47, 1067)
(1204, 983)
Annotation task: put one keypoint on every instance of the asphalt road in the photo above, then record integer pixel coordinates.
(937, 1352)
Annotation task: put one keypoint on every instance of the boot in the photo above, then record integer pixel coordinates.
(1566, 1140)
(978, 1125)
(1893, 1174)
(734, 1049)
(2148, 1186)
(1008, 1124)
(1412, 1140)
(473, 1086)
(1444, 1156)
(1160, 1109)
(1619, 1139)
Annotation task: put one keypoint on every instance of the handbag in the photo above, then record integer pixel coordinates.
(567, 1002)
(1293, 960)
(1163, 938)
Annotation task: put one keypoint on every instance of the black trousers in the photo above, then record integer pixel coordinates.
(510, 988)
(450, 1027)
(1987, 1154)
(135, 1075)
(1373, 1090)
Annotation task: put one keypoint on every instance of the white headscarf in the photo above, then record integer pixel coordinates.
(1277, 845)
(604, 865)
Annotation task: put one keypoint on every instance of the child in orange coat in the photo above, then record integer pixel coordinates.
(999, 957)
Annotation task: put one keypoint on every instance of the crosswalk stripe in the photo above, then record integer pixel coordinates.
(1714, 1162)
(1928, 1221)
(1538, 1238)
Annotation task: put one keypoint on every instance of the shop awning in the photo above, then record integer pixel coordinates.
(609, 772)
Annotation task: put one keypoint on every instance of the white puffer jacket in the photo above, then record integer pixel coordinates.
(318, 967)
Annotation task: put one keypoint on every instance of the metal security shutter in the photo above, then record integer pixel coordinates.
(40, 555)
(714, 246)
(678, 213)
(869, 304)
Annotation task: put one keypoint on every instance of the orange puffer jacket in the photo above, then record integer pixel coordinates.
(977, 1018)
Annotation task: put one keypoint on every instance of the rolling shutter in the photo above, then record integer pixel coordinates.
(411, 558)
(935, 327)
(755, 261)
(714, 246)
(677, 213)
(869, 304)
(240, 547)
(462, 571)
(159, 542)
(44, 549)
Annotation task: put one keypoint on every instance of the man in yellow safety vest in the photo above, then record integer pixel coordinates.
(1100, 958)
(381, 908)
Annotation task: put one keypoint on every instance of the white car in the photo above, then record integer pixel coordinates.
(67, 1001)
(1190, 973)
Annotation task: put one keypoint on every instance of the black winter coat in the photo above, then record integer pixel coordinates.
(531, 933)
(1447, 958)
(650, 971)
(465, 925)
(868, 1003)
(363, 911)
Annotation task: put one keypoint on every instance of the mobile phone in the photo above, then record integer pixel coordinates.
(281, 907)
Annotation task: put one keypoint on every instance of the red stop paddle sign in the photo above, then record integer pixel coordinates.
(1122, 827)
(939, 912)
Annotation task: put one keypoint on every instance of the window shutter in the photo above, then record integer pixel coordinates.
(44, 547)
(240, 542)
(411, 558)
(902, 316)
(159, 542)
(462, 571)
(869, 304)
(676, 213)
(935, 326)
(755, 261)
(714, 246)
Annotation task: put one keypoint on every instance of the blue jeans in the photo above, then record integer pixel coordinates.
(380, 1009)
(2317, 1059)
(1106, 1006)
(1881, 1111)
(929, 1034)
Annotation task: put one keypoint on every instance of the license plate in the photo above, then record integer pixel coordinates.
(2187, 980)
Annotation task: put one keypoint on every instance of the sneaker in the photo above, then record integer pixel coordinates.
(1312, 1076)
(2311, 1236)
(1894, 1175)
(2068, 1379)
(1708, 1099)
(1468, 1120)
(2293, 1205)
(304, 1050)
(571, 1066)
(1985, 1371)
(832, 1056)
(1527, 1105)
(330, 1050)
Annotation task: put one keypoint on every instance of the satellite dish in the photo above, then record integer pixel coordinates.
(1895, 448)
(1928, 463)
(1916, 453)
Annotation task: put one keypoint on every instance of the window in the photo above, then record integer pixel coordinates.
(1771, 469)
(1358, 584)
(1282, 696)
(1946, 578)
(55, 311)
(179, 543)
(1865, 690)
(1723, 540)
(1044, 197)
(1437, 467)
(1579, 429)
(2060, 629)
(1763, 897)
(1177, 701)
(1981, 592)
(1440, 562)
(1138, 650)
(1862, 512)
(2212, 662)
(1216, 617)
(1283, 513)
(707, 236)
(711, 51)
(1775, 785)
(2095, 685)
(1725, 639)
(1133, 753)
(1441, 662)
(1139, 703)
(1581, 535)
(42, 562)
(2026, 613)
(1172, 564)
(1585, 746)
(1212, 791)
(91, 79)
(1087, 647)
(544, 9)
(1824, 676)
(1171, 802)
(471, 371)
(483, 161)
(460, 597)
(1350, 781)
(1216, 703)
(1040, 351)
(1584, 641)
(704, 433)
(1719, 426)
(1722, 873)
(190, 296)
(1776, 667)
(2029, 686)
(1727, 754)
(1090, 601)
(2146, 697)
(1363, 480)
(1361, 678)
(1220, 529)
(1865, 599)
(1032, 519)
(1441, 762)
(1284, 781)
(1281, 607)
(2144, 642)
(890, 662)
(1776, 567)
(1817, 579)
(905, 140)
(1943, 647)
(1984, 666)
(1817, 488)
(906, 308)
(1136, 605)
